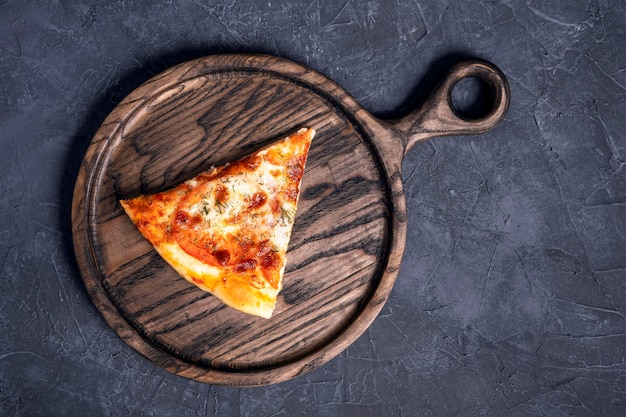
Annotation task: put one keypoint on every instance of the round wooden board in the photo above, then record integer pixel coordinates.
(350, 228)
(345, 247)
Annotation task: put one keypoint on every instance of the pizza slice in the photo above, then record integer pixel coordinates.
(227, 229)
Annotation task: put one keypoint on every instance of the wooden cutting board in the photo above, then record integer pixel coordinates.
(349, 232)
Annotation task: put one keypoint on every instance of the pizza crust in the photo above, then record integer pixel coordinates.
(231, 290)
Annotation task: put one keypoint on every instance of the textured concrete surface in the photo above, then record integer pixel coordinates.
(512, 296)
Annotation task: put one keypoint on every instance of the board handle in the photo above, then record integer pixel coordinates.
(437, 116)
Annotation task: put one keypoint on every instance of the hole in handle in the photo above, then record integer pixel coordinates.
(472, 98)
(476, 94)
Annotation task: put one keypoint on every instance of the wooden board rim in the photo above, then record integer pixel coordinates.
(178, 365)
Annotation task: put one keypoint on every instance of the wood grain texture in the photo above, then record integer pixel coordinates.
(348, 237)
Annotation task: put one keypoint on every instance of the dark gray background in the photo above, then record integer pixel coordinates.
(512, 296)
